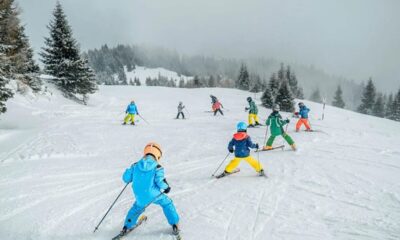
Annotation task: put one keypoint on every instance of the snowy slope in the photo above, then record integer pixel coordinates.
(142, 73)
(61, 166)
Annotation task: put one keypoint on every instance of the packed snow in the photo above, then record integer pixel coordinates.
(142, 73)
(61, 165)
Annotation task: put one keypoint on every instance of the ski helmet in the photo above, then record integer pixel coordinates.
(180, 103)
(241, 126)
(249, 99)
(301, 104)
(276, 107)
(153, 149)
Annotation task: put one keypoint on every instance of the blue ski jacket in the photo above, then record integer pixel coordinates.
(304, 112)
(147, 178)
(132, 109)
(241, 143)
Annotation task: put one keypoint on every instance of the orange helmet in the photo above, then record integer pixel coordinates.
(153, 149)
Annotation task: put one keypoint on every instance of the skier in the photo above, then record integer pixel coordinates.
(276, 122)
(213, 99)
(131, 111)
(149, 186)
(180, 110)
(253, 111)
(241, 144)
(303, 114)
(216, 107)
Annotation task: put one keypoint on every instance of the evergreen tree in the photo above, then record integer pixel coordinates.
(285, 98)
(256, 84)
(181, 83)
(338, 99)
(196, 81)
(5, 93)
(396, 107)
(212, 82)
(18, 51)
(62, 59)
(267, 99)
(368, 98)
(300, 93)
(379, 107)
(316, 96)
(389, 107)
(243, 81)
(282, 73)
(274, 85)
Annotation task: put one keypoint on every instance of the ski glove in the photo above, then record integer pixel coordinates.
(287, 121)
(257, 146)
(231, 150)
(167, 190)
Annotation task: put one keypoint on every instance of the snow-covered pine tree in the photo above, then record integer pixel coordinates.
(5, 93)
(396, 107)
(282, 73)
(256, 84)
(285, 98)
(273, 85)
(316, 96)
(389, 107)
(85, 79)
(368, 98)
(19, 52)
(62, 59)
(243, 80)
(379, 106)
(338, 99)
(300, 93)
(212, 82)
(267, 99)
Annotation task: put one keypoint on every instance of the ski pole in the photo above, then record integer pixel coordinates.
(287, 125)
(143, 119)
(227, 155)
(187, 112)
(265, 137)
(109, 209)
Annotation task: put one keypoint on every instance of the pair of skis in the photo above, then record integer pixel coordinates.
(141, 220)
(224, 174)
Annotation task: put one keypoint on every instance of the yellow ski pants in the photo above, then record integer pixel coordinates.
(250, 160)
(130, 117)
(252, 118)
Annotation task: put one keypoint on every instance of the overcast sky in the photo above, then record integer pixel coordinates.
(351, 38)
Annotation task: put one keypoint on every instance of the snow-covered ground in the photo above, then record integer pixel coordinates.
(61, 166)
(142, 73)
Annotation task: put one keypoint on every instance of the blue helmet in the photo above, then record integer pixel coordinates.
(241, 126)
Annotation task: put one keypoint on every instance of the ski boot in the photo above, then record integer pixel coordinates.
(262, 173)
(175, 229)
(266, 148)
(251, 125)
(258, 124)
(293, 146)
(132, 123)
(124, 123)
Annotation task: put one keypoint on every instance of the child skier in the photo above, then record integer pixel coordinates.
(276, 122)
(216, 107)
(253, 111)
(213, 99)
(131, 111)
(180, 110)
(303, 113)
(149, 186)
(241, 144)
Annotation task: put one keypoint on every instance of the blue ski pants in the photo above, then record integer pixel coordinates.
(163, 201)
